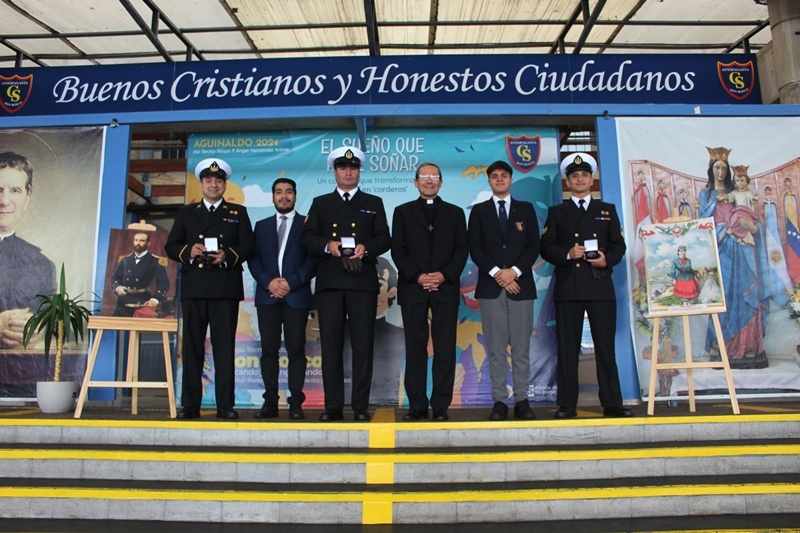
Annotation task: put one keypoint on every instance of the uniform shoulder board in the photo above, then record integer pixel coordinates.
(163, 261)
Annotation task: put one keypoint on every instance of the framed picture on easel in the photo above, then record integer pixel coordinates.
(682, 268)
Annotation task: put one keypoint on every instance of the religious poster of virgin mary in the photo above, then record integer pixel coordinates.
(742, 173)
(682, 268)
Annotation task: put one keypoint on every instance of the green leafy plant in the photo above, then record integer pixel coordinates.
(57, 317)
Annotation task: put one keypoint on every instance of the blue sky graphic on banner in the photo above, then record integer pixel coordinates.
(257, 159)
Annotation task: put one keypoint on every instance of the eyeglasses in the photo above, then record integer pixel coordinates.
(432, 177)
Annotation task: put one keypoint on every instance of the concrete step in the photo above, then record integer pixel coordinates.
(385, 472)
(398, 504)
(451, 465)
(383, 432)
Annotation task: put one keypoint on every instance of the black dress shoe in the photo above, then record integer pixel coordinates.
(227, 413)
(415, 415)
(523, 411)
(617, 412)
(268, 411)
(566, 412)
(499, 411)
(440, 415)
(331, 416)
(188, 413)
(361, 415)
(296, 413)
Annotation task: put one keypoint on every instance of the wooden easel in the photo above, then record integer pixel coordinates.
(135, 326)
(689, 364)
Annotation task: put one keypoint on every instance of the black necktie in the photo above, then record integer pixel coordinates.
(581, 202)
(347, 197)
(211, 209)
(503, 215)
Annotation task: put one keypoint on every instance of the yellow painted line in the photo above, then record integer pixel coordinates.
(594, 421)
(376, 512)
(377, 459)
(396, 496)
(381, 429)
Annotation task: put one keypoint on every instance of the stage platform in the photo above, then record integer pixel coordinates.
(111, 465)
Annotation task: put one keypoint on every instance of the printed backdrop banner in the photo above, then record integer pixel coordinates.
(392, 158)
(744, 173)
(43, 226)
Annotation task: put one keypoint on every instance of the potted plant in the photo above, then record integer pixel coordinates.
(57, 316)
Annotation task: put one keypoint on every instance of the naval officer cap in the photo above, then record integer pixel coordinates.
(346, 155)
(213, 166)
(578, 161)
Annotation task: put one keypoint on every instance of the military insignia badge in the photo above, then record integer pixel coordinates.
(519, 225)
(524, 151)
(737, 79)
(14, 92)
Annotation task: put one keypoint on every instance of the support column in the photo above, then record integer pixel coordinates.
(784, 21)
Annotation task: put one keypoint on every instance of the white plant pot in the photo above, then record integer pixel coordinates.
(56, 396)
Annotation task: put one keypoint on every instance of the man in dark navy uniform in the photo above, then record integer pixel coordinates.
(347, 230)
(134, 276)
(211, 240)
(583, 239)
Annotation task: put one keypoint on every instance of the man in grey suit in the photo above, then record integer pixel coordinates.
(282, 269)
(504, 244)
(429, 247)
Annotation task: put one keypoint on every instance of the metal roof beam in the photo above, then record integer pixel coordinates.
(558, 45)
(372, 28)
(745, 40)
(19, 54)
(589, 22)
(190, 48)
(147, 31)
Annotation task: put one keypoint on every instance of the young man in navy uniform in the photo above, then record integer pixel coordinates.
(282, 269)
(346, 230)
(583, 239)
(211, 240)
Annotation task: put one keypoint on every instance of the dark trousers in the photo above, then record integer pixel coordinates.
(270, 319)
(444, 321)
(334, 307)
(569, 329)
(222, 315)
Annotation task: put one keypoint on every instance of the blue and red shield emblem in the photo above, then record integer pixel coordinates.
(524, 151)
(738, 79)
(14, 92)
